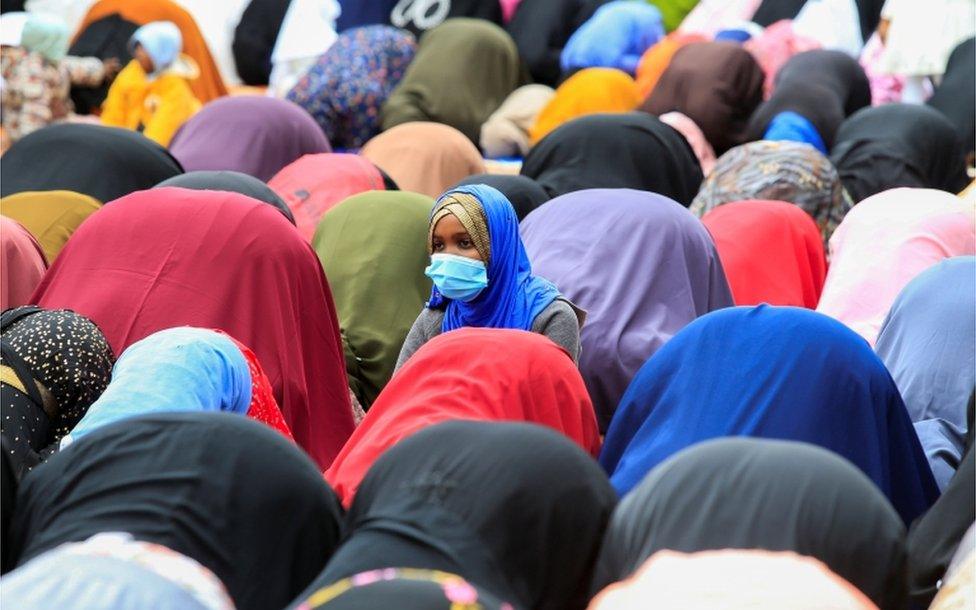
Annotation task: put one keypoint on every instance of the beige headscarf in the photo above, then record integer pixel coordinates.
(506, 132)
(426, 158)
(471, 215)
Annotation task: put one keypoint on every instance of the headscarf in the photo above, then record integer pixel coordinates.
(250, 134)
(261, 280)
(479, 374)
(463, 71)
(734, 580)
(313, 184)
(589, 91)
(101, 162)
(372, 248)
(631, 313)
(348, 85)
(895, 145)
(506, 132)
(716, 84)
(232, 182)
(424, 157)
(935, 538)
(771, 252)
(45, 34)
(615, 36)
(959, 589)
(405, 589)
(66, 355)
(541, 28)
(634, 150)
(514, 297)
(695, 137)
(883, 243)
(780, 171)
(656, 60)
(111, 571)
(205, 485)
(762, 494)
(263, 408)
(824, 87)
(775, 46)
(770, 372)
(955, 96)
(928, 343)
(162, 42)
(208, 85)
(177, 369)
(23, 264)
(516, 509)
(522, 192)
(51, 216)
(254, 39)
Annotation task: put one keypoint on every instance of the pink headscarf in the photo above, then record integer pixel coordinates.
(23, 264)
(777, 44)
(693, 133)
(883, 243)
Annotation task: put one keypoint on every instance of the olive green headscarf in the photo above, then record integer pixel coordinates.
(374, 251)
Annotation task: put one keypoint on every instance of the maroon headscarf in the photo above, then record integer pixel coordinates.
(172, 257)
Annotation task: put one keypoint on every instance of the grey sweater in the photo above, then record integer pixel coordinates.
(559, 321)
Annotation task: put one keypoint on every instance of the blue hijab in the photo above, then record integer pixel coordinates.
(790, 126)
(770, 372)
(615, 36)
(514, 297)
(178, 369)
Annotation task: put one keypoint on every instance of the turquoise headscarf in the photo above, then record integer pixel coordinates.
(162, 41)
(178, 369)
(47, 35)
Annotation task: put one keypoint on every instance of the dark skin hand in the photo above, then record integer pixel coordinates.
(450, 237)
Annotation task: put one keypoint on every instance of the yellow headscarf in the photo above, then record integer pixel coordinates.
(589, 91)
(50, 216)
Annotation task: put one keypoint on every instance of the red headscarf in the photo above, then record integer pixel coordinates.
(314, 184)
(263, 407)
(471, 374)
(772, 252)
(171, 257)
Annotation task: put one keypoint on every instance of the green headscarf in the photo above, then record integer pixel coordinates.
(47, 35)
(373, 247)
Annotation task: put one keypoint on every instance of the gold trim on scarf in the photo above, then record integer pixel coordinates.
(9, 377)
(471, 215)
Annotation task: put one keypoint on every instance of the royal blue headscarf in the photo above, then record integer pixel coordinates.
(514, 297)
(770, 372)
(790, 126)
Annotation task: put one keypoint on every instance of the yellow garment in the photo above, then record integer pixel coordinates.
(589, 91)
(50, 216)
(157, 107)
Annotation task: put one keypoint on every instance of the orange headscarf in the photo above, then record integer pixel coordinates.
(589, 91)
(656, 59)
(209, 85)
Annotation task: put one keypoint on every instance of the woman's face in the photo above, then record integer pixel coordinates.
(450, 237)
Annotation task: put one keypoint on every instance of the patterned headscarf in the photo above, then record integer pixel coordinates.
(471, 215)
(344, 90)
(779, 171)
(403, 586)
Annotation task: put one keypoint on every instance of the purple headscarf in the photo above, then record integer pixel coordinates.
(249, 134)
(640, 264)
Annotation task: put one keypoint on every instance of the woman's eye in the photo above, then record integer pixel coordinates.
(437, 247)
(466, 244)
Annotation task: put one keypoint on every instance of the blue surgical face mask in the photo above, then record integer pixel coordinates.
(457, 277)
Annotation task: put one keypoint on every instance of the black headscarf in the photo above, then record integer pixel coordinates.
(102, 162)
(403, 589)
(234, 182)
(633, 150)
(893, 145)
(255, 37)
(514, 508)
(762, 494)
(69, 357)
(825, 87)
(8, 496)
(771, 11)
(106, 38)
(541, 28)
(955, 96)
(524, 193)
(226, 491)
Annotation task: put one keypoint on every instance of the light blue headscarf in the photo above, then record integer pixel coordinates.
(514, 297)
(45, 34)
(793, 127)
(178, 369)
(161, 40)
(615, 36)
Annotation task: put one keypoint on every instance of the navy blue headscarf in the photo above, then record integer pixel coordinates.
(514, 297)
(770, 372)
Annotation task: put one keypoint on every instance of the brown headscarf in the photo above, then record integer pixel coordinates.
(423, 157)
(717, 85)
